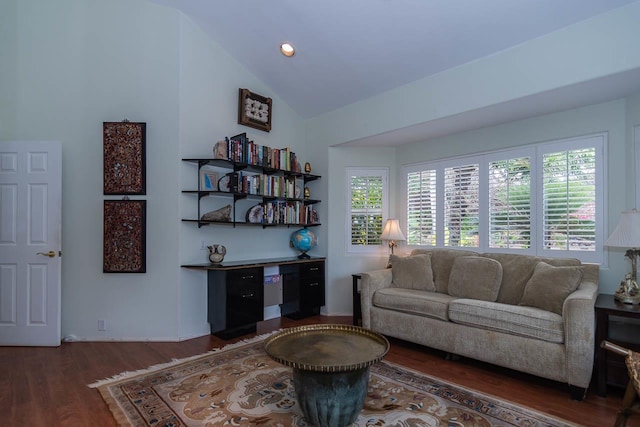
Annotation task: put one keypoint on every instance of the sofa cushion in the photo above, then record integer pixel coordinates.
(430, 304)
(412, 272)
(550, 286)
(524, 321)
(475, 277)
(517, 270)
(441, 264)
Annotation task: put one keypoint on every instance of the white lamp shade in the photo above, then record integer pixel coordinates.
(392, 230)
(627, 232)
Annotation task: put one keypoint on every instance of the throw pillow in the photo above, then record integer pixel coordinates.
(550, 286)
(412, 272)
(475, 277)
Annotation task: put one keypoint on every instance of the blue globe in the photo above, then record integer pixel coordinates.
(303, 240)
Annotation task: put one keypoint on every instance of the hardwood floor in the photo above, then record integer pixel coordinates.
(48, 386)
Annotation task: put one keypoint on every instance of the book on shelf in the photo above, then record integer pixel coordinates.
(240, 149)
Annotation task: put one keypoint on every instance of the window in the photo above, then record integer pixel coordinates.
(488, 202)
(461, 198)
(421, 207)
(368, 208)
(510, 203)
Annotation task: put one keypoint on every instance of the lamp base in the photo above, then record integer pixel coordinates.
(628, 292)
(627, 299)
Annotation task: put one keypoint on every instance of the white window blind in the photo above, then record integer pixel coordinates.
(421, 207)
(367, 207)
(569, 197)
(543, 199)
(510, 203)
(461, 196)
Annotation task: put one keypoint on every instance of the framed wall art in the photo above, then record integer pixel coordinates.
(124, 158)
(254, 110)
(124, 241)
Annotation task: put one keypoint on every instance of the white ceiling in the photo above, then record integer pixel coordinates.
(350, 50)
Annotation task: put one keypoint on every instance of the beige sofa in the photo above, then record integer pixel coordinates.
(527, 313)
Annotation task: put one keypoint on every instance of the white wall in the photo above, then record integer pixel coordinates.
(72, 64)
(209, 82)
(342, 264)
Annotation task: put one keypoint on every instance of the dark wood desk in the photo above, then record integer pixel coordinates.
(611, 368)
(235, 292)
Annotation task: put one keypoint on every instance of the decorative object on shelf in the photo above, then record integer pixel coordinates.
(254, 110)
(208, 179)
(627, 235)
(255, 214)
(220, 215)
(124, 158)
(307, 192)
(217, 253)
(392, 232)
(224, 184)
(307, 167)
(124, 239)
(303, 240)
(220, 150)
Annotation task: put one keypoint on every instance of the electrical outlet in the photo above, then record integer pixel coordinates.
(202, 245)
(102, 325)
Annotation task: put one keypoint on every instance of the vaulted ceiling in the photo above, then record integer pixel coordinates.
(351, 50)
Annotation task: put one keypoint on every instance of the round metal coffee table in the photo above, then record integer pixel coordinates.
(330, 368)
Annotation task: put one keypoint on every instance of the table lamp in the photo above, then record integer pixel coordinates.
(392, 232)
(627, 235)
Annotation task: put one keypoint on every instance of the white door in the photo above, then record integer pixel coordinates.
(30, 242)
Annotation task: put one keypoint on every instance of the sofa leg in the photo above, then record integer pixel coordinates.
(451, 356)
(577, 393)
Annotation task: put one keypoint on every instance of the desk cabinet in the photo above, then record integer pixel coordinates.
(235, 292)
(303, 289)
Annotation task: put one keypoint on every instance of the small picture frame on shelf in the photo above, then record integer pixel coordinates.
(254, 110)
(208, 179)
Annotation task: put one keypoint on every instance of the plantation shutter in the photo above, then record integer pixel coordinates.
(510, 203)
(461, 195)
(421, 208)
(569, 197)
(366, 210)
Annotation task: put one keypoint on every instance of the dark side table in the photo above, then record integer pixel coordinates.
(357, 310)
(611, 326)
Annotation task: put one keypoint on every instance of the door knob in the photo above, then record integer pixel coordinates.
(50, 254)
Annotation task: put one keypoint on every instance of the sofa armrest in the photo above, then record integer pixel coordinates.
(369, 284)
(578, 314)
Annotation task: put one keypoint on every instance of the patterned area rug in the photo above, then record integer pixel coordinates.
(240, 385)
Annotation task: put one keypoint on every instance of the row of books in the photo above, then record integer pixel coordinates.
(289, 213)
(264, 185)
(240, 149)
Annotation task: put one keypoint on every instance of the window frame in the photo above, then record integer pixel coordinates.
(535, 152)
(383, 173)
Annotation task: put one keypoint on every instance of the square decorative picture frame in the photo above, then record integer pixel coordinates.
(254, 110)
(124, 158)
(124, 239)
(208, 179)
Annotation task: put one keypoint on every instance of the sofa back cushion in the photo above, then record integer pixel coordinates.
(441, 264)
(518, 269)
(549, 286)
(475, 277)
(412, 272)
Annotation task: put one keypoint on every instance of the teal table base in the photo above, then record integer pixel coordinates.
(331, 399)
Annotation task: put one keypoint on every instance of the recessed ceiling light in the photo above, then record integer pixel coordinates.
(287, 49)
